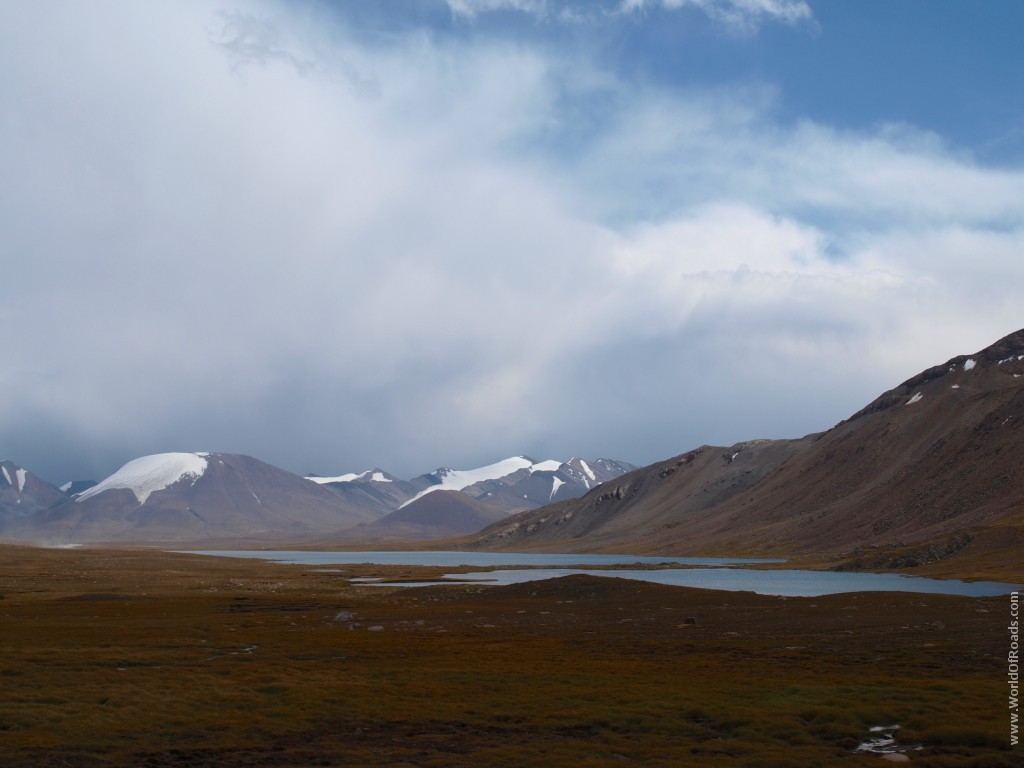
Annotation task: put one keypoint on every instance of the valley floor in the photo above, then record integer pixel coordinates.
(141, 658)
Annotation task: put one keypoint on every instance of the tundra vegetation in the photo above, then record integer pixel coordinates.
(133, 657)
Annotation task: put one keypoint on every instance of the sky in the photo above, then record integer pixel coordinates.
(422, 233)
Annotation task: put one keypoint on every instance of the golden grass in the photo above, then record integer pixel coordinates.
(142, 658)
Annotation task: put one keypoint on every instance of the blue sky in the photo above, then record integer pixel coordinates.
(951, 67)
(341, 235)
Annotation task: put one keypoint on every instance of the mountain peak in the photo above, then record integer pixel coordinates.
(1004, 356)
(23, 493)
(147, 474)
(13, 474)
(1009, 346)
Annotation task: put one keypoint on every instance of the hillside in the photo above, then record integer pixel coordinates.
(931, 468)
(433, 516)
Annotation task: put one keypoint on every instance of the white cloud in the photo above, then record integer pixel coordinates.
(471, 8)
(741, 16)
(236, 243)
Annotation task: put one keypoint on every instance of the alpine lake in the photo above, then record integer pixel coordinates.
(718, 573)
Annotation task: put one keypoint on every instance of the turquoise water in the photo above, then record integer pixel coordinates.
(713, 575)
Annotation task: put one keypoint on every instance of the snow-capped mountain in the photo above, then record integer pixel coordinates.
(455, 502)
(497, 477)
(207, 497)
(374, 490)
(515, 483)
(593, 473)
(22, 492)
(148, 474)
(536, 483)
(193, 497)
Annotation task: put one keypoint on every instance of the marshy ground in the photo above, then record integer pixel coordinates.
(143, 658)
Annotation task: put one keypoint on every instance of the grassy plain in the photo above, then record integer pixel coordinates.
(143, 658)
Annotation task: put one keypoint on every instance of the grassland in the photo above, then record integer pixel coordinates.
(140, 658)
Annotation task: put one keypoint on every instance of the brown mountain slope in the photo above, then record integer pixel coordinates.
(937, 461)
(436, 515)
(652, 500)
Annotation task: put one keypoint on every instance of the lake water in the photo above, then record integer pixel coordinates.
(791, 583)
(476, 559)
(705, 572)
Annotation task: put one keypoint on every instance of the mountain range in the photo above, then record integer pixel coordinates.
(449, 502)
(931, 471)
(206, 497)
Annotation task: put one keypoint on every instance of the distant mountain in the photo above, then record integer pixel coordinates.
(191, 497)
(512, 484)
(522, 483)
(75, 487)
(205, 497)
(929, 468)
(23, 493)
(374, 490)
(437, 515)
(451, 502)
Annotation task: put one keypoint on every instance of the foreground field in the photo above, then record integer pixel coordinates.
(125, 658)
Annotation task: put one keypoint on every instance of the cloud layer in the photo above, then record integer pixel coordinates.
(743, 16)
(737, 16)
(254, 230)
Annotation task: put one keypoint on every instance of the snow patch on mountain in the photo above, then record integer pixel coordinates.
(546, 466)
(458, 479)
(148, 474)
(917, 396)
(66, 487)
(556, 483)
(21, 474)
(7, 476)
(347, 478)
(969, 364)
(376, 476)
